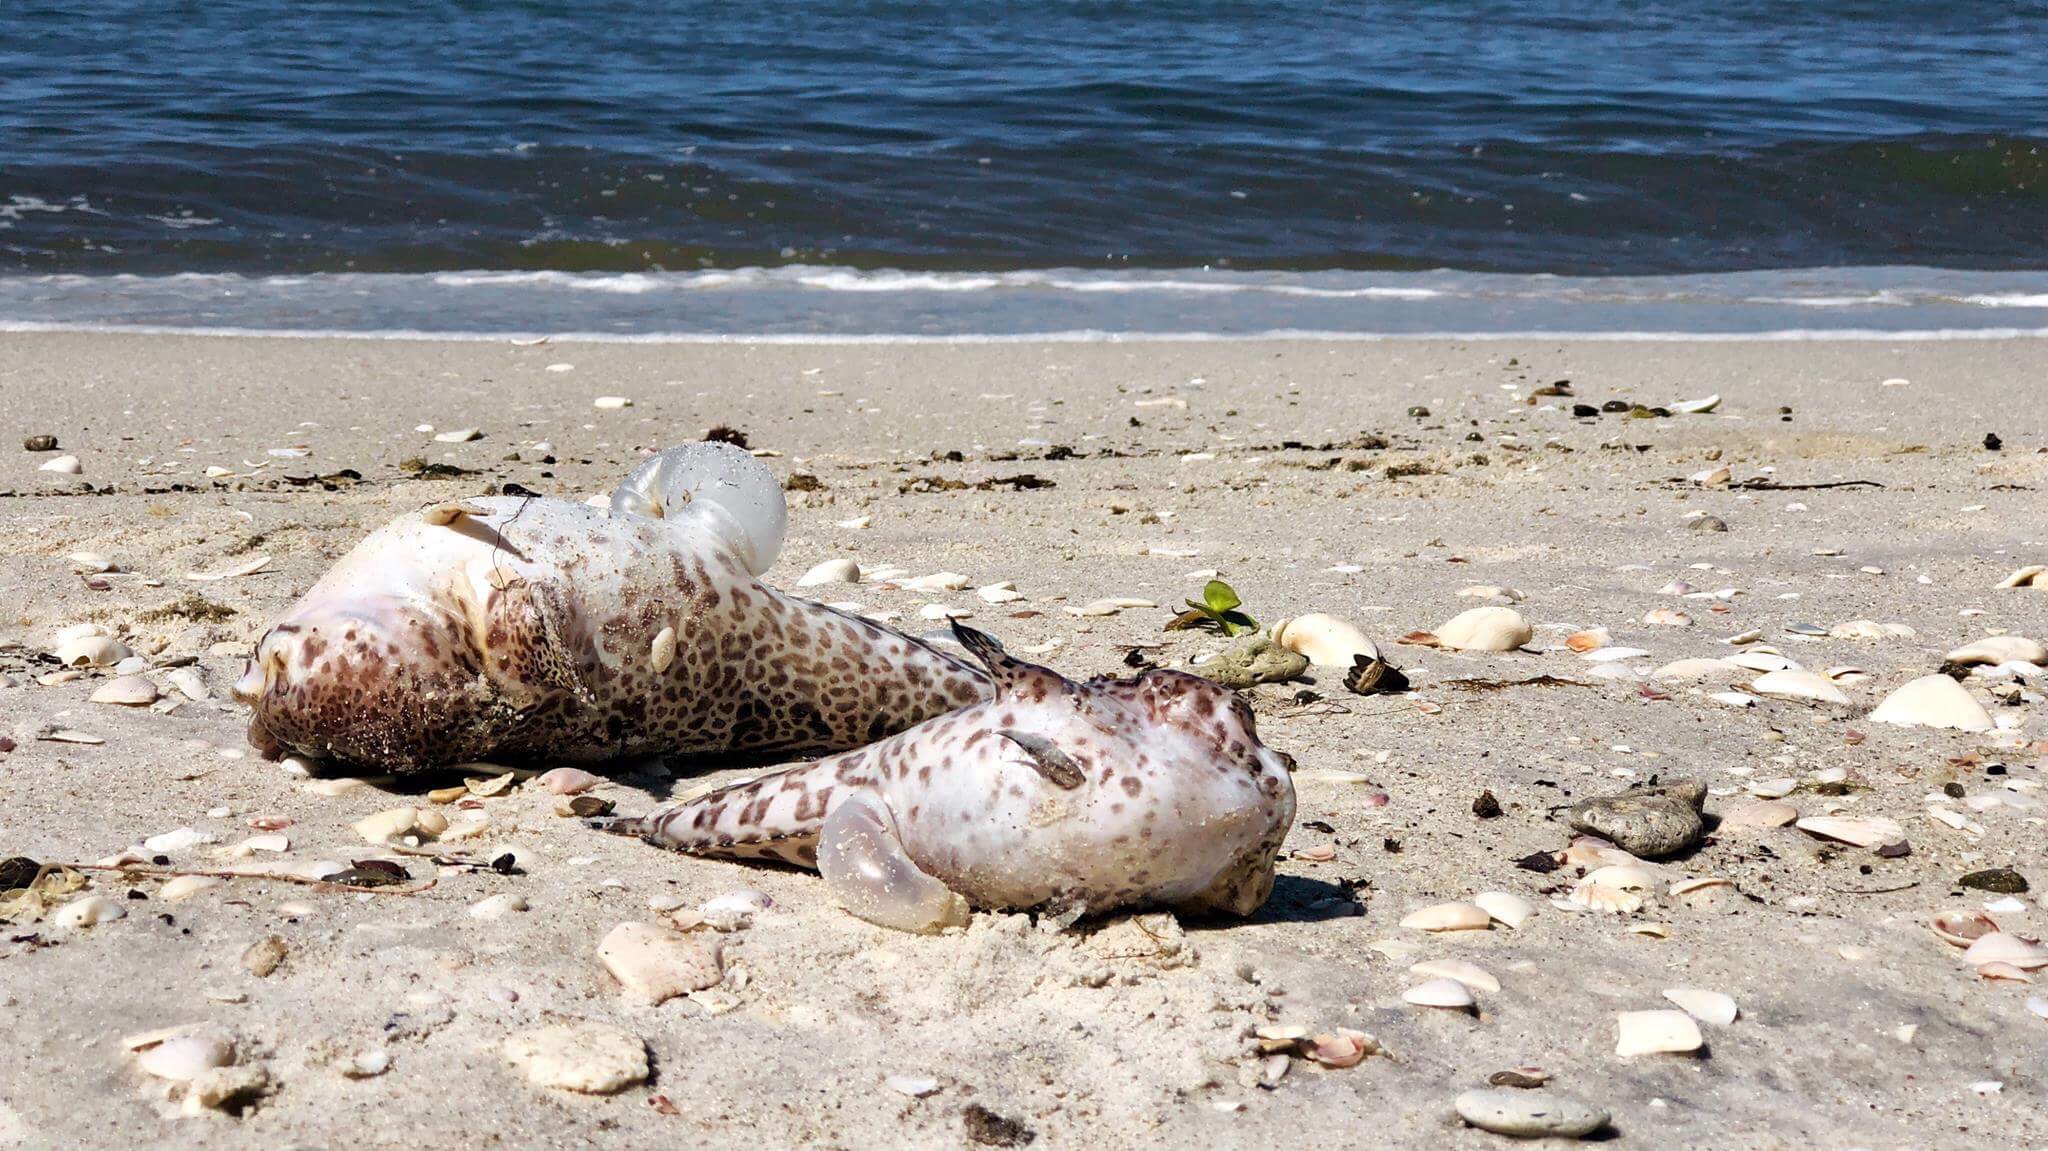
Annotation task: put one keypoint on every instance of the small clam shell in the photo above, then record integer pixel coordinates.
(1486, 629)
(387, 825)
(1933, 701)
(1343, 1048)
(1585, 641)
(1873, 831)
(2005, 971)
(1472, 975)
(189, 683)
(182, 1058)
(1448, 917)
(1614, 654)
(1762, 661)
(567, 781)
(2032, 575)
(64, 465)
(185, 887)
(1004, 591)
(661, 653)
(1962, 928)
(1625, 877)
(1326, 640)
(1700, 890)
(1600, 897)
(87, 911)
(829, 572)
(1706, 1006)
(1653, 1032)
(1999, 649)
(1667, 617)
(2003, 947)
(1440, 993)
(90, 651)
(127, 691)
(1689, 669)
(1490, 591)
(1713, 477)
(1507, 909)
(91, 563)
(1798, 684)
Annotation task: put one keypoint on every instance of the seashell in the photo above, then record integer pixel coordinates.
(64, 465)
(1865, 832)
(2038, 1006)
(1653, 1032)
(1933, 701)
(1696, 407)
(458, 436)
(1798, 684)
(127, 691)
(1592, 851)
(183, 887)
(189, 684)
(2005, 971)
(1286, 1034)
(655, 964)
(1326, 640)
(1507, 909)
(1699, 890)
(611, 403)
(1486, 629)
(87, 911)
(1870, 629)
(91, 563)
(182, 839)
(1734, 698)
(1473, 976)
(441, 515)
(567, 781)
(1687, 669)
(1667, 617)
(1763, 660)
(1962, 928)
(2003, 947)
(1003, 592)
(1344, 1048)
(183, 1058)
(1761, 815)
(2033, 575)
(90, 651)
(1585, 641)
(937, 581)
(498, 906)
(1998, 649)
(1440, 993)
(1713, 477)
(1778, 788)
(1613, 654)
(386, 826)
(1491, 591)
(1676, 587)
(250, 566)
(1705, 1006)
(735, 904)
(1608, 900)
(661, 653)
(1448, 917)
(830, 571)
(1625, 876)
(1845, 673)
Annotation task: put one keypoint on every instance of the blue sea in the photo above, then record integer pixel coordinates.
(867, 169)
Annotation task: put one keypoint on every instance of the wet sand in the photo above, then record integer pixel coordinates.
(1272, 463)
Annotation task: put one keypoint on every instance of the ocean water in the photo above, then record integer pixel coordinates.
(862, 167)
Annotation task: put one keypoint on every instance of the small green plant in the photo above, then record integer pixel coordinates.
(1217, 608)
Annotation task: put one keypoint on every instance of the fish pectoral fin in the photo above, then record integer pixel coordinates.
(1058, 768)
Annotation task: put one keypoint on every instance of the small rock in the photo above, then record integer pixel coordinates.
(63, 465)
(1709, 524)
(1648, 822)
(39, 444)
(87, 911)
(1253, 659)
(992, 1130)
(2003, 880)
(1529, 1114)
(263, 956)
(591, 1058)
(1486, 806)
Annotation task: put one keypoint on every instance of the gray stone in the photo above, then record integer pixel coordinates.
(1648, 821)
(1529, 1114)
(1254, 659)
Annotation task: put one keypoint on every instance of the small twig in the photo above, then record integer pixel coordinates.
(1873, 890)
(1763, 485)
(309, 881)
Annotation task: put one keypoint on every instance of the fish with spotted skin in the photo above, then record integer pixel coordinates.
(1145, 792)
(525, 628)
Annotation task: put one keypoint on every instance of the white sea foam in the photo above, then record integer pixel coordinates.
(885, 280)
(2010, 300)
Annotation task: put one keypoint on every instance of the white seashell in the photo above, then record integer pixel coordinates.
(2004, 971)
(497, 906)
(1696, 407)
(1676, 587)
(937, 581)
(90, 651)
(1613, 654)
(1701, 891)
(250, 566)
(915, 1086)
(1933, 701)
(611, 403)
(92, 563)
(87, 911)
(1486, 629)
(1627, 877)
(1713, 477)
(1733, 698)
(1798, 684)
(1440, 993)
(1762, 660)
(1448, 917)
(2003, 947)
(458, 436)
(567, 781)
(1778, 788)
(1667, 617)
(189, 683)
(64, 465)
(1326, 640)
(387, 825)
(1962, 928)
(655, 963)
(182, 839)
(1507, 909)
(2038, 1006)
(1845, 673)
(133, 665)
(1610, 900)
(1998, 649)
(1004, 592)
(1653, 1032)
(1473, 976)
(1705, 1006)
(857, 523)
(938, 611)
(1491, 591)
(183, 1058)
(183, 887)
(1589, 639)
(2033, 575)
(830, 571)
(1687, 669)
(661, 653)
(1870, 629)
(1761, 815)
(1874, 831)
(127, 691)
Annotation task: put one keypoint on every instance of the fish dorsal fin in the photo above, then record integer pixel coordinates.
(1015, 680)
(1058, 768)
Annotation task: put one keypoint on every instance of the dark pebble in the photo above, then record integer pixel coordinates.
(1582, 411)
(1486, 806)
(1709, 524)
(39, 444)
(1991, 442)
(2003, 880)
(1419, 412)
(1616, 406)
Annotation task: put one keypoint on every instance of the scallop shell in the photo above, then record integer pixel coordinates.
(1602, 898)
(1326, 640)
(1997, 649)
(1486, 629)
(1798, 684)
(1933, 701)
(1448, 917)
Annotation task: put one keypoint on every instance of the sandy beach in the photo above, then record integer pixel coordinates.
(1376, 481)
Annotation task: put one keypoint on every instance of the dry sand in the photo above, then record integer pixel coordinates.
(1858, 1027)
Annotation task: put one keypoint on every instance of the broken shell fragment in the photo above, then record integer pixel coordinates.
(1706, 1006)
(1999, 649)
(1507, 909)
(1667, 617)
(655, 963)
(1448, 917)
(1857, 832)
(1654, 1032)
(1326, 640)
(90, 651)
(65, 465)
(661, 653)
(2004, 947)
(1440, 993)
(1486, 629)
(1761, 815)
(1689, 669)
(1795, 683)
(1933, 701)
(1344, 1048)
